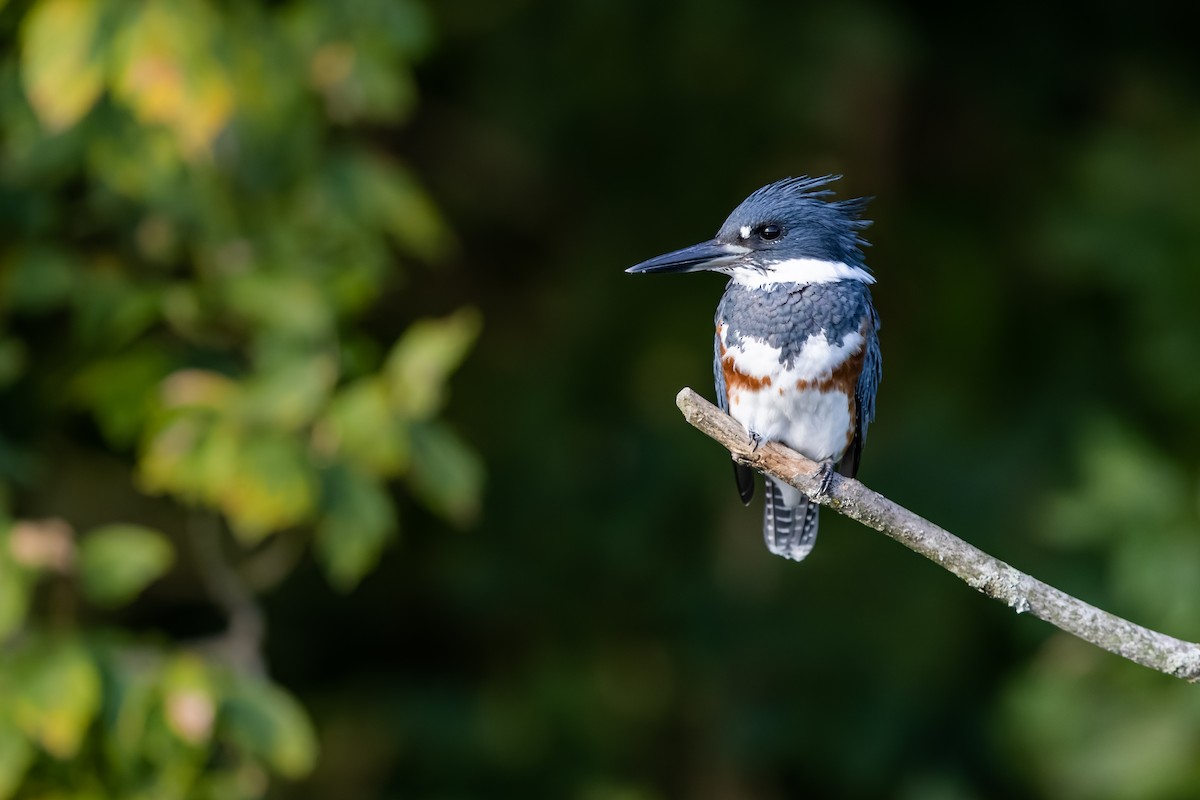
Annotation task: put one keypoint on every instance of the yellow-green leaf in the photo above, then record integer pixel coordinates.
(56, 694)
(287, 305)
(16, 584)
(360, 427)
(422, 361)
(116, 562)
(270, 487)
(16, 754)
(60, 68)
(288, 395)
(175, 457)
(120, 391)
(167, 73)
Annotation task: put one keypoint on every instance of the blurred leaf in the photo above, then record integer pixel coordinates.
(60, 67)
(131, 694)
(446, 474)
(15, 586)
(179, 457)
(402, 27)
(120, 391)
(55, 693)
(110, 309)
(361, 53)
(189, 699)
(167, 72)
(286, 305)
(359, 426)
(38, 279)
(17, 581)
(136, 162)
(12, 360)
(261, 481)
(421, 362)
(271, 486)
(116, 562)
(357, 521)
(16, 754)
(199, 389)
(244, 781)
(288, 395)
(269, 723)
(387, 195)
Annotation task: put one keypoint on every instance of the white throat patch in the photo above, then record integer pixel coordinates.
(798, 270)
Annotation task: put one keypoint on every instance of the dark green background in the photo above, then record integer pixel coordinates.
(613, 626)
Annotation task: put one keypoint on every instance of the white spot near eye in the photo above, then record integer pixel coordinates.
(745, 231)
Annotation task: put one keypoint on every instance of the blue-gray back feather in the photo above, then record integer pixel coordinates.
(864, 396)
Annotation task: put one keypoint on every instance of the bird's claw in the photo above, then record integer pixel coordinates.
(756, 441)
(824, 477)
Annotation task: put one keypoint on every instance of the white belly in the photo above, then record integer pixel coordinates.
(811, 421)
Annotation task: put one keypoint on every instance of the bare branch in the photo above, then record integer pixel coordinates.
(996, 579)
(241, 644)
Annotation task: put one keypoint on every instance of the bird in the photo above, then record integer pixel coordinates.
(796, 356)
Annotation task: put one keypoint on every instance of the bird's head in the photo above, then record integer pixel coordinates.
(785, 232)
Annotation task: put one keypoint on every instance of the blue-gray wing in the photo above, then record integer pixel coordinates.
(719, 375)
(864, 394)
(742, 475)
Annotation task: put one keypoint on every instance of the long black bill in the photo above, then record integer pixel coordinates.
(706, 255)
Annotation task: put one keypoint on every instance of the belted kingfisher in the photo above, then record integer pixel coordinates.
(797, 356)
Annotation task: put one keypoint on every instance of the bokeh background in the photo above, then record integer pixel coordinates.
(340, 458)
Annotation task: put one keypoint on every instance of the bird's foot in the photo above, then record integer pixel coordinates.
(824, 476)
(756, 441)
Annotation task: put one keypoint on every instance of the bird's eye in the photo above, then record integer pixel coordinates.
(770, 232)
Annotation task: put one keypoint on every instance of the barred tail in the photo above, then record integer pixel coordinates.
(790, 531)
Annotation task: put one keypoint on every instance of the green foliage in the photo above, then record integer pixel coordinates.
(202, 219)
(16, 754)
(271, 725)
(157, 717)
(117, 561)
(52, 691)
(359, 523)
(16, 583)
(420, 363)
